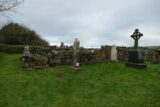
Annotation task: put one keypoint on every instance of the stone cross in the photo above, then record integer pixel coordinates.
(136, 36)
(76, 49)
(62, 45)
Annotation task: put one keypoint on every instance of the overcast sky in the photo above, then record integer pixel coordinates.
(94, 22)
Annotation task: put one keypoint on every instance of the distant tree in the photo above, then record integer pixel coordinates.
(9, 5)
(14, 34)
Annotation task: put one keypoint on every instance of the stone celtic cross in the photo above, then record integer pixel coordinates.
(136, 36)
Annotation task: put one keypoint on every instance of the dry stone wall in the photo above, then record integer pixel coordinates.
(52, 56)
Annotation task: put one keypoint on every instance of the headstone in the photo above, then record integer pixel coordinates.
(114, 53)
(26, 47)
(76, 46)
(26, 51)
(26, 58)
(92, 51)
(136, 56)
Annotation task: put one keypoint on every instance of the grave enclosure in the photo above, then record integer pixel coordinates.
(53, 55)
(74, 55)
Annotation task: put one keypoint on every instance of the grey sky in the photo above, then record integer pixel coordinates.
(94, 22)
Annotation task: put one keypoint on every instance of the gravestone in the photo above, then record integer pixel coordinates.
(26, 58)
(114, 53)
(76, 45)
(26, 47)
(26, 51)
(135, 56)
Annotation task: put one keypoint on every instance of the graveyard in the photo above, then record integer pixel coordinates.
(107, 84)
(79, 53)
(75, 76)
(52, 76)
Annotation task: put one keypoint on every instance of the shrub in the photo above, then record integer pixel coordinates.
(14, 34)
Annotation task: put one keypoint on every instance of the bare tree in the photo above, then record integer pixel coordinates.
(9, 5)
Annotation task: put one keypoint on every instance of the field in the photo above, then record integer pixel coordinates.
(97, 85)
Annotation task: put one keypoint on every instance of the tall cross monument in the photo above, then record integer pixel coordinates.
(136, 56)
(136, 36)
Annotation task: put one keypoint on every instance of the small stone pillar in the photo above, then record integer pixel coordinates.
(114, 53)
(76, 46)
(26, 58)
(26, 51)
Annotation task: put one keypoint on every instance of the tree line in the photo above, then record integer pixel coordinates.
(15, 34)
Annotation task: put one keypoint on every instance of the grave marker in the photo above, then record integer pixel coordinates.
(114, 53)
(135, 56)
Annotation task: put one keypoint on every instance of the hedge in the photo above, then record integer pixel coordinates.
(17, 48)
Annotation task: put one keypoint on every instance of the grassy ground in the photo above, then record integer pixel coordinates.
(97, 85)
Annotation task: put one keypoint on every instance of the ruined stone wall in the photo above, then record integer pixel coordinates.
(122, 53)
(153, 56)
(52, 56)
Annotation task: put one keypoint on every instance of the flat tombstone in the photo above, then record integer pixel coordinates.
(114, 53)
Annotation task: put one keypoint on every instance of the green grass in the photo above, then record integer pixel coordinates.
(97, 85)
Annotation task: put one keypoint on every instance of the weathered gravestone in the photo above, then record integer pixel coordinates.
(76, 54)
(114, 53)
(26, 58)
(135, 56)
(26, 47)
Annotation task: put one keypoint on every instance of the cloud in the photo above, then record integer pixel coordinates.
(94, 22)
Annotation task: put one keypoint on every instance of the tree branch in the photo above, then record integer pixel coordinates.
(7, 5)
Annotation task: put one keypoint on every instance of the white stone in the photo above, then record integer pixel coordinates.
(26, 51)
(54, 52)
(77, 64)
(114, 53)
(92, 51)
(76, 46)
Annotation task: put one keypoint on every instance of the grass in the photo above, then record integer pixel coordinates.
(97, 85)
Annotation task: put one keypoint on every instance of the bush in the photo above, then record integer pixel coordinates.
(14, 34)
(17, 48)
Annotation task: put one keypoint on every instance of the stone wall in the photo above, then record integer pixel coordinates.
(154, 56)
(52, 56)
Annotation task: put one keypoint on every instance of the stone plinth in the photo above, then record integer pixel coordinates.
(136, 59)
